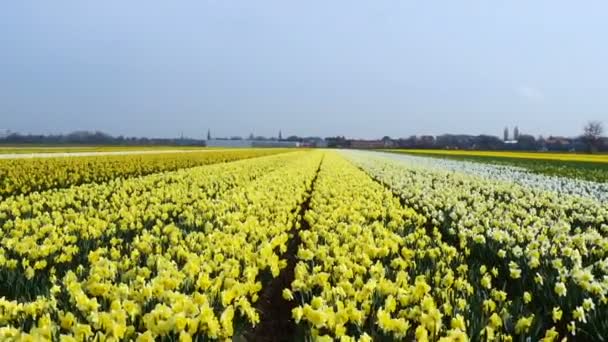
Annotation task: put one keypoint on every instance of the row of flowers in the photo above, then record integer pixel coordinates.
(369, 270)
(177, 255)
(23, 176)
(513, 174)
(536, 261)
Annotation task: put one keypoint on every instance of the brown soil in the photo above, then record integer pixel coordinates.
(276, 323)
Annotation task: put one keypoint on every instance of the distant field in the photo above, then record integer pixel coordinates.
(24, 149)
(591, 167)
(579, 157)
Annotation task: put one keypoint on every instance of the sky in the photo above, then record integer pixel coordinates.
(362, 69)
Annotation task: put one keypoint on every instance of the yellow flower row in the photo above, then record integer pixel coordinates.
(179, 255)
(22, 176)
(368, 268)
(55, 226)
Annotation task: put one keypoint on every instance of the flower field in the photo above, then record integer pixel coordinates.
(598, 158)
(586, 167)
(22, 176)
(386, 249)
(533, 262)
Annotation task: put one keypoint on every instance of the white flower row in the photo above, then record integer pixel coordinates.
(517, 175)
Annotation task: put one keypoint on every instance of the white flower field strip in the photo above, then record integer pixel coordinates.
(517, 175)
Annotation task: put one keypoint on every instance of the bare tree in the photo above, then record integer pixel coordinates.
(592, 132)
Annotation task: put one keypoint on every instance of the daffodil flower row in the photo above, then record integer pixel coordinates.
(23, 176)
(369, 270)
(182, 254)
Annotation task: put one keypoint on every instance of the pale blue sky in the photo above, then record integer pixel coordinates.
(355, 68)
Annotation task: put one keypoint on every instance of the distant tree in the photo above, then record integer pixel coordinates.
(506, 134)
(516, 133)
(280, 135)
(592, 132)
(527, 142)
(208, 134)
(251, 137)
(95, 138)
(487, 142)
(337, 141)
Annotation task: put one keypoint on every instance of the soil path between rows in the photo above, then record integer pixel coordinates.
(276, 322)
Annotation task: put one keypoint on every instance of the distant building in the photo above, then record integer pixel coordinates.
(426, 140)
(232, 143)
(320, 143)
(309, 141)
(558, 143)
(367, 144)
(228, 143)
(337, 142)
(274, 143)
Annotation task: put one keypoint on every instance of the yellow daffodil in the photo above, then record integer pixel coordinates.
(557, 314)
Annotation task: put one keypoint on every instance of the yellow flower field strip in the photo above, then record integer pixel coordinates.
(225, 261)
(549, 253)
(66, 244)
(22, 176)
(49, 228)
(370, 275)
(29, 149)
(578, 157)
(179, 279)
(362, 273)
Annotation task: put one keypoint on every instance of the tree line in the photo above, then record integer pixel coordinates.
(96, 138)
(591, 140)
